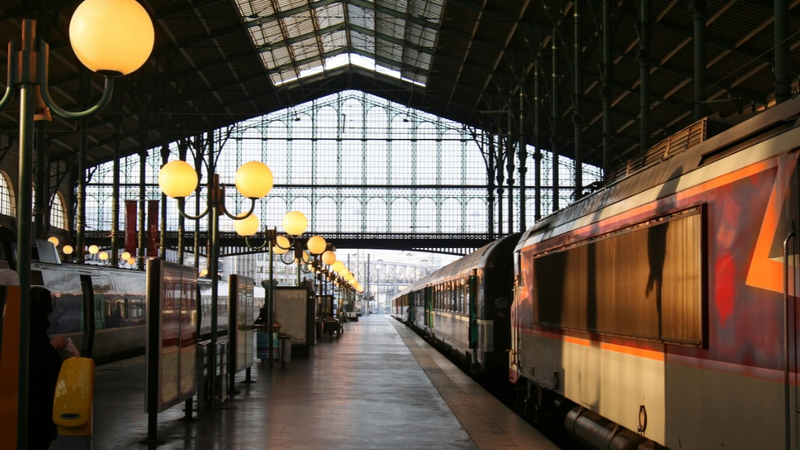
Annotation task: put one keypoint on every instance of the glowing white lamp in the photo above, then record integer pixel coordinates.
(281, 246)
(329, 257)
(316, 245)
(247, 226)
(295, 223)
(177, 179)
(111, 37)
(253, 180)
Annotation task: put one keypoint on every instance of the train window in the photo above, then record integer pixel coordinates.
(654, 287)
(136, 308)
(120, 310)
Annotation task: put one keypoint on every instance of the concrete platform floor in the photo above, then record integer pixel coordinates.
(377, 386)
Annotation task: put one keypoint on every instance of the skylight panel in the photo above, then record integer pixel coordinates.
(389, 50)
(361, 17)
(256, 8)
(304, 38)
(329, 15)
(362, 42)
(304, 49)
(298, 25)
(334, 41)
(287, 5)
(391, 26)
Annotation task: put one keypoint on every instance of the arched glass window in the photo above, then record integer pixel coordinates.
(58, 218)
(7, 200)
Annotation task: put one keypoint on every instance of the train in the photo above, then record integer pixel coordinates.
(659, 311)
(464, 307)
(103, 309)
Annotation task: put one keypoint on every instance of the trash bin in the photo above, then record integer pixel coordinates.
(262, 346)
(286, 349)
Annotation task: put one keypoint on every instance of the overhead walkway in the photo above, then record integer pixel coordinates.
(377, 386)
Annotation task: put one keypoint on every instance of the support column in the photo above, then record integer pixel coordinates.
(42, 188)
(509, 147)
(644, 75)
(783, 64)
(554, 118)
(83, 144)
(490, 189)
(698, 8)
(606, 87)
(115, 189)
(523, 157)
(537, 143)
(141, 234)
(162, 243)
(577, 119)
(496, 145)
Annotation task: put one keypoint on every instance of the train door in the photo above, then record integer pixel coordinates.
(92, 316)
(473, 310)
(407, 307)
(791, 267)
(429, 307)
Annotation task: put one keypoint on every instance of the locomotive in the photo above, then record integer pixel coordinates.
(661, 310)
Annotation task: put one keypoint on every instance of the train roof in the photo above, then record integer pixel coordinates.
(665, 162)
(483, 257)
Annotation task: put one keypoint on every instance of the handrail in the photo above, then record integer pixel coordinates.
(786, 390)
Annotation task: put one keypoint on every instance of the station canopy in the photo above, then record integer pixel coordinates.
(218, 62)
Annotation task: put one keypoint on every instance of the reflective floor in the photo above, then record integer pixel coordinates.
(377, 386)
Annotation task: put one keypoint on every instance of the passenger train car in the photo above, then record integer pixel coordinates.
(102, 309)
(465, 306)
(666, 302)
(659, 311)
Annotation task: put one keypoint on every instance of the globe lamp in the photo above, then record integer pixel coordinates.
(329, 257)
(253, 179)
(177, 179)
(316, 245)
(247, 226)
(295, 223)
(111, 37)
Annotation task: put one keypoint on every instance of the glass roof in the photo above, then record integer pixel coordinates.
(299, 39)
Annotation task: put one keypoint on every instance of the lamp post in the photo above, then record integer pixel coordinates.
(178, 180)
(295, 224)
(110, 37)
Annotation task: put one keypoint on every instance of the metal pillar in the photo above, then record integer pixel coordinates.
(578, 105)
(142, 238)
(41, 193)
(115, 190)
(490, 188)
(537, 143)
(698, 8)
(644, 75)
(497, 141)
(213, 258)
(509, 146)
(83, 145)
(162, 250)
(606, 87)
(554, 118)
(523, 157)
(783, 63)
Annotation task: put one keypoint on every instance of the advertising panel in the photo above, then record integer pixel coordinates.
(241, 316)
(171, 334)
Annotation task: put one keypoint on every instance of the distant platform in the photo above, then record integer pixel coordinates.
(377, 386)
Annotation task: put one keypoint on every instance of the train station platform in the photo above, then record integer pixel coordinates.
(376, 386)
